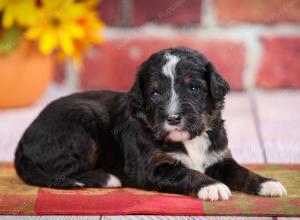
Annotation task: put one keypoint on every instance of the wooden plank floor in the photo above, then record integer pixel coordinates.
(262, 127)
(279, 118)
(241, 129)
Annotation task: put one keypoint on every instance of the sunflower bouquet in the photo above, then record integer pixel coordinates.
(66, 27)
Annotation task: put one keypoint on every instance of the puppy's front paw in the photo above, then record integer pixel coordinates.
(272, 188)
(217, 191)
(113, 182)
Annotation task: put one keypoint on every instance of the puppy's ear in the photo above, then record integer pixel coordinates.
(136, 97)
(217, 85)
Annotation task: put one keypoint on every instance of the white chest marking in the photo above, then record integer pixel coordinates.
(197, 151)
(199, 157)
(169, 70)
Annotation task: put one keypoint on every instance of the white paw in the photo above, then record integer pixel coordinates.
(113, 182)
(272, 188)
(217, 191)
(78, 184)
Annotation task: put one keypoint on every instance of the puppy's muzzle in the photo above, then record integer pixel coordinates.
(174, 119)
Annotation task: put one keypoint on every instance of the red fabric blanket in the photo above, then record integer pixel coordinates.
(17, 198)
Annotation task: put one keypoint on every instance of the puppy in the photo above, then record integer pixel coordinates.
(166, 134)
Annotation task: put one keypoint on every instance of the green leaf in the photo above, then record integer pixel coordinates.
(10, 39)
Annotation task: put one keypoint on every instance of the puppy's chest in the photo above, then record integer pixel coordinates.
(198, 156)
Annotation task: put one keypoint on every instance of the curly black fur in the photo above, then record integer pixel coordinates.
(81, 139)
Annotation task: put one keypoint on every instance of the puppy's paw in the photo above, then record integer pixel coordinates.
(78, 184)
(113, 182)
(217, 191)
(272, 188)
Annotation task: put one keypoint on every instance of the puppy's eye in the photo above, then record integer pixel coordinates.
(155, 94)
(193, 89)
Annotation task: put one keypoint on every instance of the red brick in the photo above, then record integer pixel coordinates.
(279, 67)
(229, 59)
(113, 65)
(108, 11)
(179, 12)
(260, 11)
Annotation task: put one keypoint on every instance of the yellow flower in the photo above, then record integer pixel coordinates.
(93, 35)
(92, 25)
(91, 3)
(58, 26)
(64, 26)
(21, 12)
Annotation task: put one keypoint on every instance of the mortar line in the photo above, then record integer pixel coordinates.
(124, 13)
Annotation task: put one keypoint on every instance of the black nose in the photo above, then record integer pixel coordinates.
(174, 119)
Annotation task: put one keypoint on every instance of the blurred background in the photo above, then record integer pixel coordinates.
(53, 48)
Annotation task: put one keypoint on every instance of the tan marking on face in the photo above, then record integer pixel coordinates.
(187, 79)
(155, 85)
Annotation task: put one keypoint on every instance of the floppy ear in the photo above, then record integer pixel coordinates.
(217, 85)
(136, 97)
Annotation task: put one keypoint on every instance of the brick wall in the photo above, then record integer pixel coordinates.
(253, 43)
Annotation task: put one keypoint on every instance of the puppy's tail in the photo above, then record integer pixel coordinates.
(31, 174)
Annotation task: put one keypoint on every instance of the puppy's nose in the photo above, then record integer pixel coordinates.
(174, 119)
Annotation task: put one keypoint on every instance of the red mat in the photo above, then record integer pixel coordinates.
(17, 198)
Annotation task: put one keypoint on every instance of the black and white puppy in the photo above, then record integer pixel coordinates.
(166, 134)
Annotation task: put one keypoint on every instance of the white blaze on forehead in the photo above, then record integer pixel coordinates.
(169, 67)
(169, 71)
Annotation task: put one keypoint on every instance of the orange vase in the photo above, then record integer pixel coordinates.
(24, 76)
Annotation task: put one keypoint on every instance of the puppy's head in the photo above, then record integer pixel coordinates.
(177, 92)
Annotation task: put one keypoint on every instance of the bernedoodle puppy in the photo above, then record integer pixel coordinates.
(166, 134)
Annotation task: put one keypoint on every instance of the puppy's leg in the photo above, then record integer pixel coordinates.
(241, 179)
(98, 178)
(178, 179)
